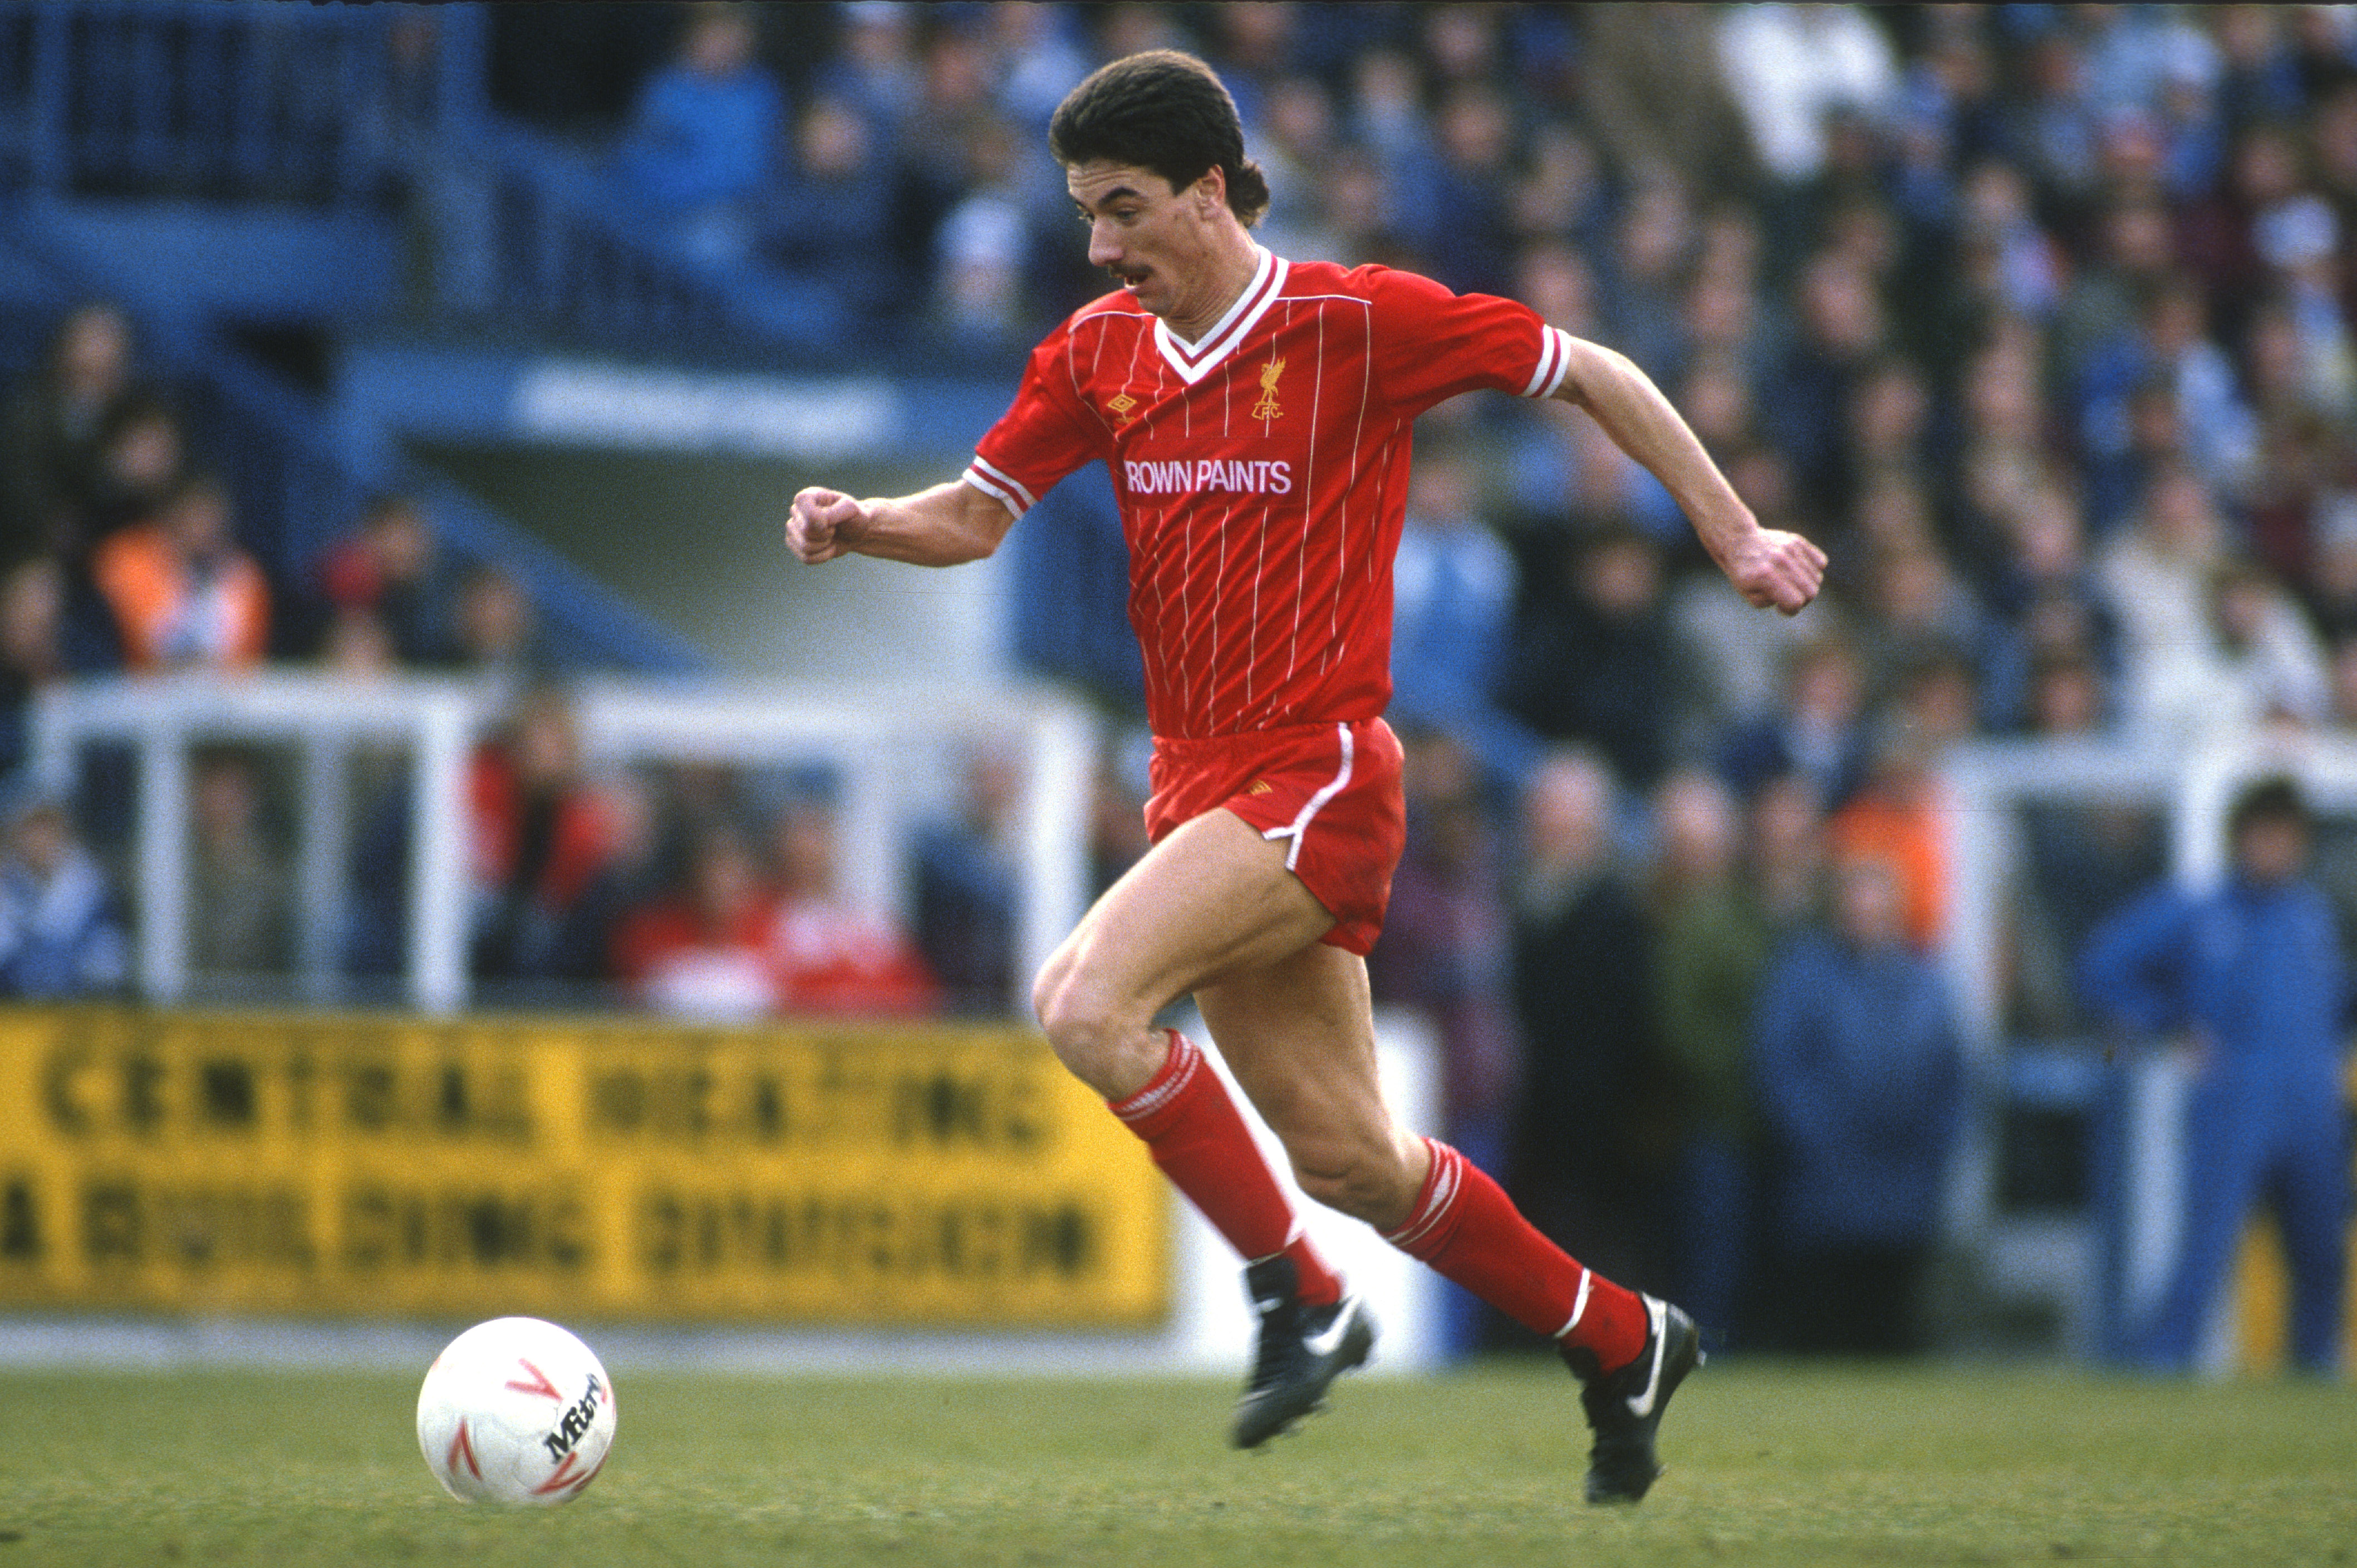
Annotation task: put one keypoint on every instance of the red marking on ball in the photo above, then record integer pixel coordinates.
(462, 1447)
(539, 1384)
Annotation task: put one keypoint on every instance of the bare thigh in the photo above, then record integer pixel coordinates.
(1212, 898)
(1298, 1033)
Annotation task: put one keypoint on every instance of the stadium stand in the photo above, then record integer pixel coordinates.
(2039, 318)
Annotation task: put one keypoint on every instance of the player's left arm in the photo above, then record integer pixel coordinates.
(1770, 566)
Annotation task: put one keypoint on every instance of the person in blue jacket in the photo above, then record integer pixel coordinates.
(706, 133)
(1860, 1087)
(2250, 972)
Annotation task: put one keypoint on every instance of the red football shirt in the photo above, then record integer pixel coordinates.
(1262, 473)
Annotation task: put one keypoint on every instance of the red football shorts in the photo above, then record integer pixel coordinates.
(1330, 792)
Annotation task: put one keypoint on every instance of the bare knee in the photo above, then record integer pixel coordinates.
(1102, 1040)
(1366, 1178)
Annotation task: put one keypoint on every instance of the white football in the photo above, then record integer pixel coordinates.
(515, 1410)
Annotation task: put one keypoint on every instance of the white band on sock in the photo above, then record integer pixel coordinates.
(1447, 1172)
(1579, 1303)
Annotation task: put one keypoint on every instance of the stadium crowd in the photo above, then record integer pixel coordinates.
(2037, 317)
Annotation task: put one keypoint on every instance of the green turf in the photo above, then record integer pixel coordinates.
(1770, 1466)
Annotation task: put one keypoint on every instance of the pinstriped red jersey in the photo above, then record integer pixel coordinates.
(1262, 474)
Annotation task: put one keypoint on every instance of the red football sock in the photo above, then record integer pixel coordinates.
(1198, 1137)
(1465, 1226)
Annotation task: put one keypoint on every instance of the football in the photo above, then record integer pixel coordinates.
(515, 1410)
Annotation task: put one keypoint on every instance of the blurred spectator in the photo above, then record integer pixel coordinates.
(1819, 733)
(1445, 951)
(141, 461)
(392, 568)
(827, 217)
(1591, 660)
(1557, 459)
(2250, 974)
(1898, 820)
(2219, 232)
(2133, 256)
(1860, 1083)
(1453, 592)
(497, 637)
(2259, 661)
(967, 889)
(954, 116)
(827, 957)
(2158, 570)
(1789, 67)
(1642, 272)
(1456, 196)
(241, 894)
(1388, 95)
(2290, 500)
(141, 457)
(61, 931)
(701, 951)
(1657, 114)
(1117, 836)
(1889, 421)
(876, 70)
(2049, 606)
(2220, 432)
(2081, 860)
(537, 836)
(32, 604)
(1295, 149)
(357, 646)
(1043, 59)
(1711, 943)
(983, 246)
(1785, 832)
(1917, 608)
(1444, 941)
(2260, 80)
(647, 849)
(185, 595)
(1840, 334)
(1728, 661)
(54, 427)
(1596, 1151)
(703, 132)
(2004, 266)
(2330, 580)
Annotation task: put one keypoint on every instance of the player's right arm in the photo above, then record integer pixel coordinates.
(1045, 433)
(945, 526)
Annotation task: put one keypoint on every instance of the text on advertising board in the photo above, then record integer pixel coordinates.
(363, 1164)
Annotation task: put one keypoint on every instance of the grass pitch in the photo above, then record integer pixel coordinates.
(1769, 1465)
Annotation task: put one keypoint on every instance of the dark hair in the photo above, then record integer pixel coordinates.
(2275, 799)
(1164, 111)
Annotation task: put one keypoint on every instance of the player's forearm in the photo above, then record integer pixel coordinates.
(947, 525)
(1640, 421)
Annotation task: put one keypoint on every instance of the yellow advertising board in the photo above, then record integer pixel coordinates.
(352, 1163)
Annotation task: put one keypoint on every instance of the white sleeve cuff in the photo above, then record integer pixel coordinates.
(1000, 487)
(1554, 358)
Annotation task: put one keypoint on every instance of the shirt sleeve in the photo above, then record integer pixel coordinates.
(1045, 433)
(2133, 964)
(1430, 344)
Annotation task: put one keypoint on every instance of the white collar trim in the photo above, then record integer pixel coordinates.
(1193, 362)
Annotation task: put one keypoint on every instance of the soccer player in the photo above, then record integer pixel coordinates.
(1256, 416)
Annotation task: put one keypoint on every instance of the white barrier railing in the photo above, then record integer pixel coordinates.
(890, 748)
